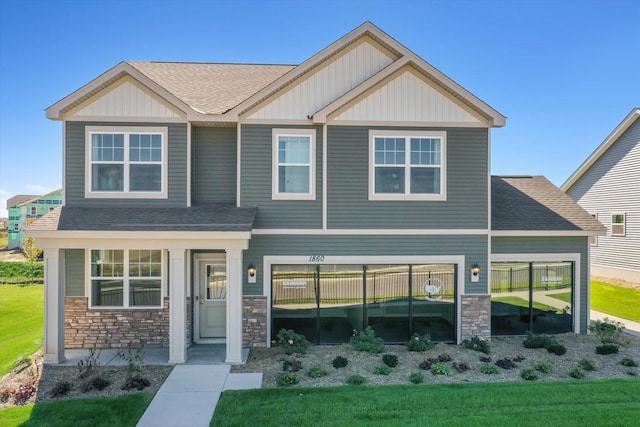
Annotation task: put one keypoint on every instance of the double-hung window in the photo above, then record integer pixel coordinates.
(618, 224)
(126, 278)
(293, 164)
(126, 162)
(407, 165)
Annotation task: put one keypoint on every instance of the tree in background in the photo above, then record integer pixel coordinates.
(32, 253)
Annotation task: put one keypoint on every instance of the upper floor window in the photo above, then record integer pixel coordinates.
(34, 210)
(294, 175)
(126, 162)
(407, 165)
(618, 224)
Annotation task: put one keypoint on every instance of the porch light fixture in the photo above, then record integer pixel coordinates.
(475, 272)
(251, 273)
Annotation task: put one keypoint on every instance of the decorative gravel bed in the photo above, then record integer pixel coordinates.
(270, 362)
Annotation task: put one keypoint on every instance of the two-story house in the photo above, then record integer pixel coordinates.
(223, 202)
(24, 209)
(607, 185)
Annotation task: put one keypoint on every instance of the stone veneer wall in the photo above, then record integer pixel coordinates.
(476, 316)
(254, 321)
(109, 328)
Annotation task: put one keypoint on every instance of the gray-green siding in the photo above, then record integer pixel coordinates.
(550, 245)
(256, 173)
(75, 167)
(474, 248)
(348, 184)
(214, 168)
(74, 271)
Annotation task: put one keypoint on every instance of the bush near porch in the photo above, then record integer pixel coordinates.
(21, 322)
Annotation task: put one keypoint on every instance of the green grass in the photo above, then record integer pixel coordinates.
(611, 299)
(21, 322)
(113, 411)
(519, 302)
(565, 403)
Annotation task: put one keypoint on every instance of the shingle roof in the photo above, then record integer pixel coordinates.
(211, 88)
(534, 203)
(19, 199)
(213, 217)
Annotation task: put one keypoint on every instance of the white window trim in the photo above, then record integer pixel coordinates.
(624, 224)
(593, 240)
(275, 194)
(16, 227)
(442, 135)
(125, 278)
(162, 194)
(31, 209)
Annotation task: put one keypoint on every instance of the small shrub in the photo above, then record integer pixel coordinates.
(291, 342)
(286, 379)
(24, 393)
(317, 372)
(420, 343)
(629, 362)
(557, 349)
(576, 373)
(21, 363)
(518, 359)
(391, 360)
(60, 389)
(506, 364)
(356, 380)
(89, 364)
(382, 370)
(536, 341)
(587, 365)
(291, 365)
(6, 395)
(444, 357)
(485, 359)
(489, 369)
(135, 360)
(632, 373)
(427, 363)
(607, 330)
(544, 367)
(529, 374)
(460, 367)
(416, 377)
(478, 344)
(607, 349)
(367, 341)
(135, 382)
(97, 382)
(440, 369)
(340, 362)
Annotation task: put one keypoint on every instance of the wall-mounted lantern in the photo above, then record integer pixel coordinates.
(251, 273)
(475, 272)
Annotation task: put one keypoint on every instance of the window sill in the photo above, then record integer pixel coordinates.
(122, 195)
(409, 197)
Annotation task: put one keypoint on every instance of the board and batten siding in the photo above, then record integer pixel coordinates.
(256, 170)
(74, 272)
(75, 166)
(348, 201)
(214, 165)
(474, 248)
(328, 82)
(612, 185)
(551, 245)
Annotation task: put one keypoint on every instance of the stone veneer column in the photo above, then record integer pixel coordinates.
(475, 316)
(254, 321)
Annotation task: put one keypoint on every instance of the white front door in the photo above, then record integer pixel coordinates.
(212, 298)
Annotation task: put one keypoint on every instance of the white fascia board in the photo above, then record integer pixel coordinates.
(54, 112)
(140, 235)
(546, 233)
(601, 149)
(369, 232)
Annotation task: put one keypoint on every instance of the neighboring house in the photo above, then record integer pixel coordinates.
(24, 209)
(222, 202)
(607, 185)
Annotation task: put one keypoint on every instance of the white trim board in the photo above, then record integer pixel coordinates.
(545, 233)
(458, 260)
(549, 257)
(371, 231)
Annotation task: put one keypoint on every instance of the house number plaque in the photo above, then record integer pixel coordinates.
(316, 258)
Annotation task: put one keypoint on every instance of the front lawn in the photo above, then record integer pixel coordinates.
(108, 412)
(611, 299)
(21, 322)
(594, 402)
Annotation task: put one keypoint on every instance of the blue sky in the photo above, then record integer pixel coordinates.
(565, 73)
